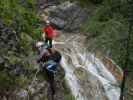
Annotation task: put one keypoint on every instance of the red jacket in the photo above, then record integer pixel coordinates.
(49, 31)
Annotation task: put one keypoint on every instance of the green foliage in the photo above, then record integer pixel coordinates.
(26, 43)
(110, 31)
(5, 81)
(21, 80)
(21, 17)
(10, 82)
(108, 28)
(69, 97)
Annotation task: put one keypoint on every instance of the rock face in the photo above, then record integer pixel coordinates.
(39, 89)
(92, 88)
(41, 4)
(67, 16)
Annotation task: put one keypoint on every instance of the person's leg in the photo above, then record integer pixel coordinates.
(51, 81)
(46, 43)
(50, 68)
(50, 43)
(46, 40)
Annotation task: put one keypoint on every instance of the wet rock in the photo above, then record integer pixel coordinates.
(91, 87)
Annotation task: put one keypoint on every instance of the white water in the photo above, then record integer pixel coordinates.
(86, 60)
(107, 79)
(71, 79)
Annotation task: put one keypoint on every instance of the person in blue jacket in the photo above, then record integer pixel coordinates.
(50, 59)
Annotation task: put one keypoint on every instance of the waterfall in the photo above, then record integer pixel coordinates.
(75, 55)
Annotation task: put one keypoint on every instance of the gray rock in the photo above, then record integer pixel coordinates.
(42, 4)
(22, 94)
(68, 16)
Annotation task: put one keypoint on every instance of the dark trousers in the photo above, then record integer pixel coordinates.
(49, 40)
(50, 76)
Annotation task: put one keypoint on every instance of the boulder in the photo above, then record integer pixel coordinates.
(68, 16)
(42, 4)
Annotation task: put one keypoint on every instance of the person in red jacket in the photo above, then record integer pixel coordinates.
(48, 33)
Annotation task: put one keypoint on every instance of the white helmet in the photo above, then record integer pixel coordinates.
(39, 44)
(47, 22)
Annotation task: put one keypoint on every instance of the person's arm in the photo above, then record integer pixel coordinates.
(41, 56)
(44, 32)
(43, 35)
(43, 29)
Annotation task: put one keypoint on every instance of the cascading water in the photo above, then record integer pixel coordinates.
(73, 57)
(71, 79)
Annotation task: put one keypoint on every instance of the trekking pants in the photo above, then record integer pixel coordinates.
(50, 68)
(49, 40)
